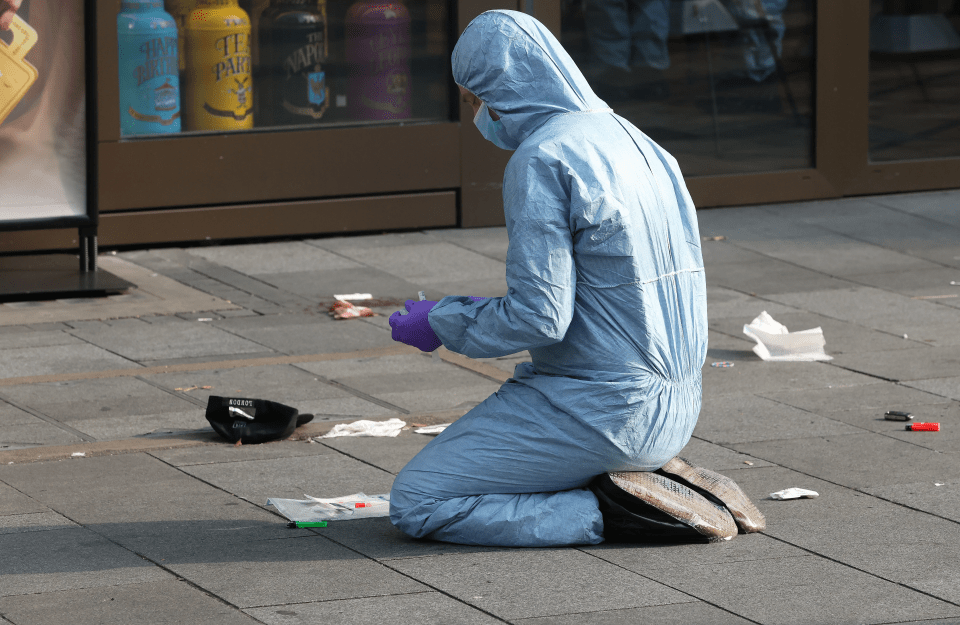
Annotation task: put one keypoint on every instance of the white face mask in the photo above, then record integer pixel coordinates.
(493, 130)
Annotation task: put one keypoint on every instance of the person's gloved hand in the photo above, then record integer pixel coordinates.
(413, 327)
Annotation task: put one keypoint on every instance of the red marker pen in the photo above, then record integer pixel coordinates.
(923, 427)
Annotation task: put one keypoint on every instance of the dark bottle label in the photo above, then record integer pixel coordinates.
(293, 56)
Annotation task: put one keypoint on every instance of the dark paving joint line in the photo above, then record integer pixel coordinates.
(358, 393)
(396, 350)
(177, 394)
(693, 598)
(865, 572)
(352, 457)
(421, 582)
(63, 426)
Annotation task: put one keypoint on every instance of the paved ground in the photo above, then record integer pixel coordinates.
(159, 522)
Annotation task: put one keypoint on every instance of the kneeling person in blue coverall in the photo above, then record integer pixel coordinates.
(606, 290)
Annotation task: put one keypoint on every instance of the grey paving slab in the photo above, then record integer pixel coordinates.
(20, 432)
(858, 460)
(141, 341)
(427, 263)
(893, 542)
(649, 559)
(423, 608)
(728, 419)
(870, 307)
(54, 359)
(693, 613)
(803, 590)
(840, 336)
(286, 384)
(47, 561)
(415, 382)
(937, 205)
(117, 426)
(377, 538)
(725, 303)
(34, 522)
(718, 458)
(839, 256)
(349, 407)
(78, 400)
(724, 252)
(944, 387)
(14, 502)
(771, 277)
(349, 245)
(27, 338)
(755, 376)
(273, 258)
(294, 570)
(127, 494)
(528, 583)
(309, 334)
(160, 603)
(322, 475)
(922, 363)
(491, 242)
(390, 454)
(758, 223)
(321, 286)
(932, 281)
(939, 498)
(217, 453)
(875, 398)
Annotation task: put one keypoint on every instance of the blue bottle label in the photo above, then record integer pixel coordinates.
(149, 74)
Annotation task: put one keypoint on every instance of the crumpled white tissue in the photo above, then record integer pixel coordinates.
(776, 343)
(794, 493)
(432, 429)
(366, 428)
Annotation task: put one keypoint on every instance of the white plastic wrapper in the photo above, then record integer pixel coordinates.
(366, 428)
(348, 507)
(432, 429)
(794, 493)
(776, 343)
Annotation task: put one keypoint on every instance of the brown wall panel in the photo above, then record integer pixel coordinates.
(145, 228)
(787, 186)
(270, 166)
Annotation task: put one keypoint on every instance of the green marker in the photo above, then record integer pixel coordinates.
(303, 524)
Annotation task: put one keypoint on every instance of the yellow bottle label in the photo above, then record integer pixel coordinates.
(16, 74)
(219, 84)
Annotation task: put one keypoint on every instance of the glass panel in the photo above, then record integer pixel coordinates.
(726, 86)
(237, 65)
(914, 79)
(43, 157)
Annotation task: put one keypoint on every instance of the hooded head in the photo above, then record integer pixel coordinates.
(518, 68)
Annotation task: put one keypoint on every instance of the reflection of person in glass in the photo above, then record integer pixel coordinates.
(42, 141)
(8, 8)
(628, 41)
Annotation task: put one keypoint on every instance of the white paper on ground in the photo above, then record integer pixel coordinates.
(343, 508)
(366, 428)
(432, 429)
(776, 343)
(794, 493)
(346, 297)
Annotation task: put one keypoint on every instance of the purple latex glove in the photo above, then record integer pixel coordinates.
(413, 327)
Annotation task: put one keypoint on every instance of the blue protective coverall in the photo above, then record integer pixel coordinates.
(605, 288)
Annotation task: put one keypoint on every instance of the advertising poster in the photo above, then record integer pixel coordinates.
(43, 148)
